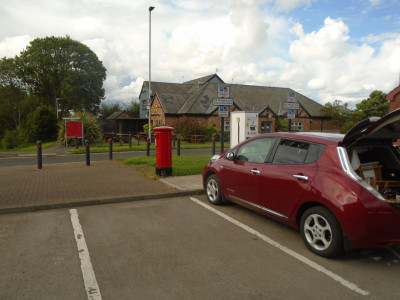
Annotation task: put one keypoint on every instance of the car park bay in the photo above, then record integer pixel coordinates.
(177, 248)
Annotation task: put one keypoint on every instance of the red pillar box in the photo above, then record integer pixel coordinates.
(163, 150)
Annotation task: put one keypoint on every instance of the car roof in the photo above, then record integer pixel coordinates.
(316, 137)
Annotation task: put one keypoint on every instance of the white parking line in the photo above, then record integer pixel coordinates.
(89, 279)
(288, 251)
(394, 253)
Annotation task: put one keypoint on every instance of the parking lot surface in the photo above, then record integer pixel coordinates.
(178, 248)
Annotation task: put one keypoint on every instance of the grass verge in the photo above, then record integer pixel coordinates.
(117, 147)
(30, 148)
(181, 165)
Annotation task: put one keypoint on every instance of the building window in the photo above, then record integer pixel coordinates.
(297, 126)
(227, 126)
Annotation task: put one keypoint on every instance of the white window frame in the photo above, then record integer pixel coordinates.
(297, 126)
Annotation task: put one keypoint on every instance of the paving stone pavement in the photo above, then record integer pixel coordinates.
(26, 188)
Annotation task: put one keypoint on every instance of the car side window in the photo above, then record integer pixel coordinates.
(255, 151)
(293, 152)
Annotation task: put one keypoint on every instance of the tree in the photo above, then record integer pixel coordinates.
(340, 114)
(57, 67)
(133, 109)
(374, 106)
(11, 96)
(107, 109)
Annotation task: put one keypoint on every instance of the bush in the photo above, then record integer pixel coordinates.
(42, 124)
(282, 124)
(10, 140)
(210, 131)
(14, 138)
(186, 127)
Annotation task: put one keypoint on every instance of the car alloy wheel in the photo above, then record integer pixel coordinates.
(321, 232)
(213, 189)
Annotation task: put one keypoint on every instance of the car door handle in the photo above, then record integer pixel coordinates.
(255, 171)
(301, 177)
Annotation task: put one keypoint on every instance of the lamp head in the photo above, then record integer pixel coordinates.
(151, 8)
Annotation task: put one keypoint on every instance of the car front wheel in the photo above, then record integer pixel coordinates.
(213, 190)
(321, 232)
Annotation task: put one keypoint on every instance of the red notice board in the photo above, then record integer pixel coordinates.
(74, 129)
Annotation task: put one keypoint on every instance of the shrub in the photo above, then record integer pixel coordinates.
(210, 131)
(10, 140)
(186, 127)
(14, 138)
(42, 124)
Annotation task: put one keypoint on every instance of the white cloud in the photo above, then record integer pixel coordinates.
(12, 46)
(288, 5)
(249, 41)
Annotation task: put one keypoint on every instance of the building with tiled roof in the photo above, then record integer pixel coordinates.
(171, 101)
(394, 99)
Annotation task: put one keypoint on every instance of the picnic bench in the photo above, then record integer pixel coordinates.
(197, 139)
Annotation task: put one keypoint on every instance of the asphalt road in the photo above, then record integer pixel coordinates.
(180, 248)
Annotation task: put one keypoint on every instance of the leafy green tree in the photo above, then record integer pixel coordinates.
(340, 114)
(107, 108)
(59, 67)
(374, 106)
(11, 96)
(133, 108)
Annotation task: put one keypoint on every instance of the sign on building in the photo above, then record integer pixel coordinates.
(291, 115)
(291, 97)
(222, 101)
(291, 105)
(223, 92)
(223, 112)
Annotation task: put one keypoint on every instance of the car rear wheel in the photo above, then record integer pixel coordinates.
(321, 232)
(213, 189)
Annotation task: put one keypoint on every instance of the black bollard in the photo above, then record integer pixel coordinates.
(148, 147)
(39, 154)
(87, 148)
(178, 151)
(110, 149)
(213, 145)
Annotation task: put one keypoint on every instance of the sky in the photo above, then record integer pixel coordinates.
(326, 50)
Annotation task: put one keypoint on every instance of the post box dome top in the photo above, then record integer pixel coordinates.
(163, 129)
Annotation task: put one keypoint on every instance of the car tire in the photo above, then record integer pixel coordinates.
(213, 190)
(321, 232)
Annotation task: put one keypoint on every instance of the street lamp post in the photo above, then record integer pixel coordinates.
(57, 106)
(149, 103)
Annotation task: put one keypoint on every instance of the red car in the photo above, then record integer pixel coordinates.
(340, 191)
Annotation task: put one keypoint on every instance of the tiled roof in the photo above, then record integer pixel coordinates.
(195, 97)
(120, 115)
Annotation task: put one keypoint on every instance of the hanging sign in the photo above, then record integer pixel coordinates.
(223, 112)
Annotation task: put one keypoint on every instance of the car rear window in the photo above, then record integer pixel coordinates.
(296, 152)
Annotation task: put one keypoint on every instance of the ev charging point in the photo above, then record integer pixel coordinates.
(244, 125)
(163, 140)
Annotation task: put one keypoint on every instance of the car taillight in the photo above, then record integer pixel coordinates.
(346, 166)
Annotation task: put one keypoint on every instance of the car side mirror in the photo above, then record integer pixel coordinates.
(230, 156)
